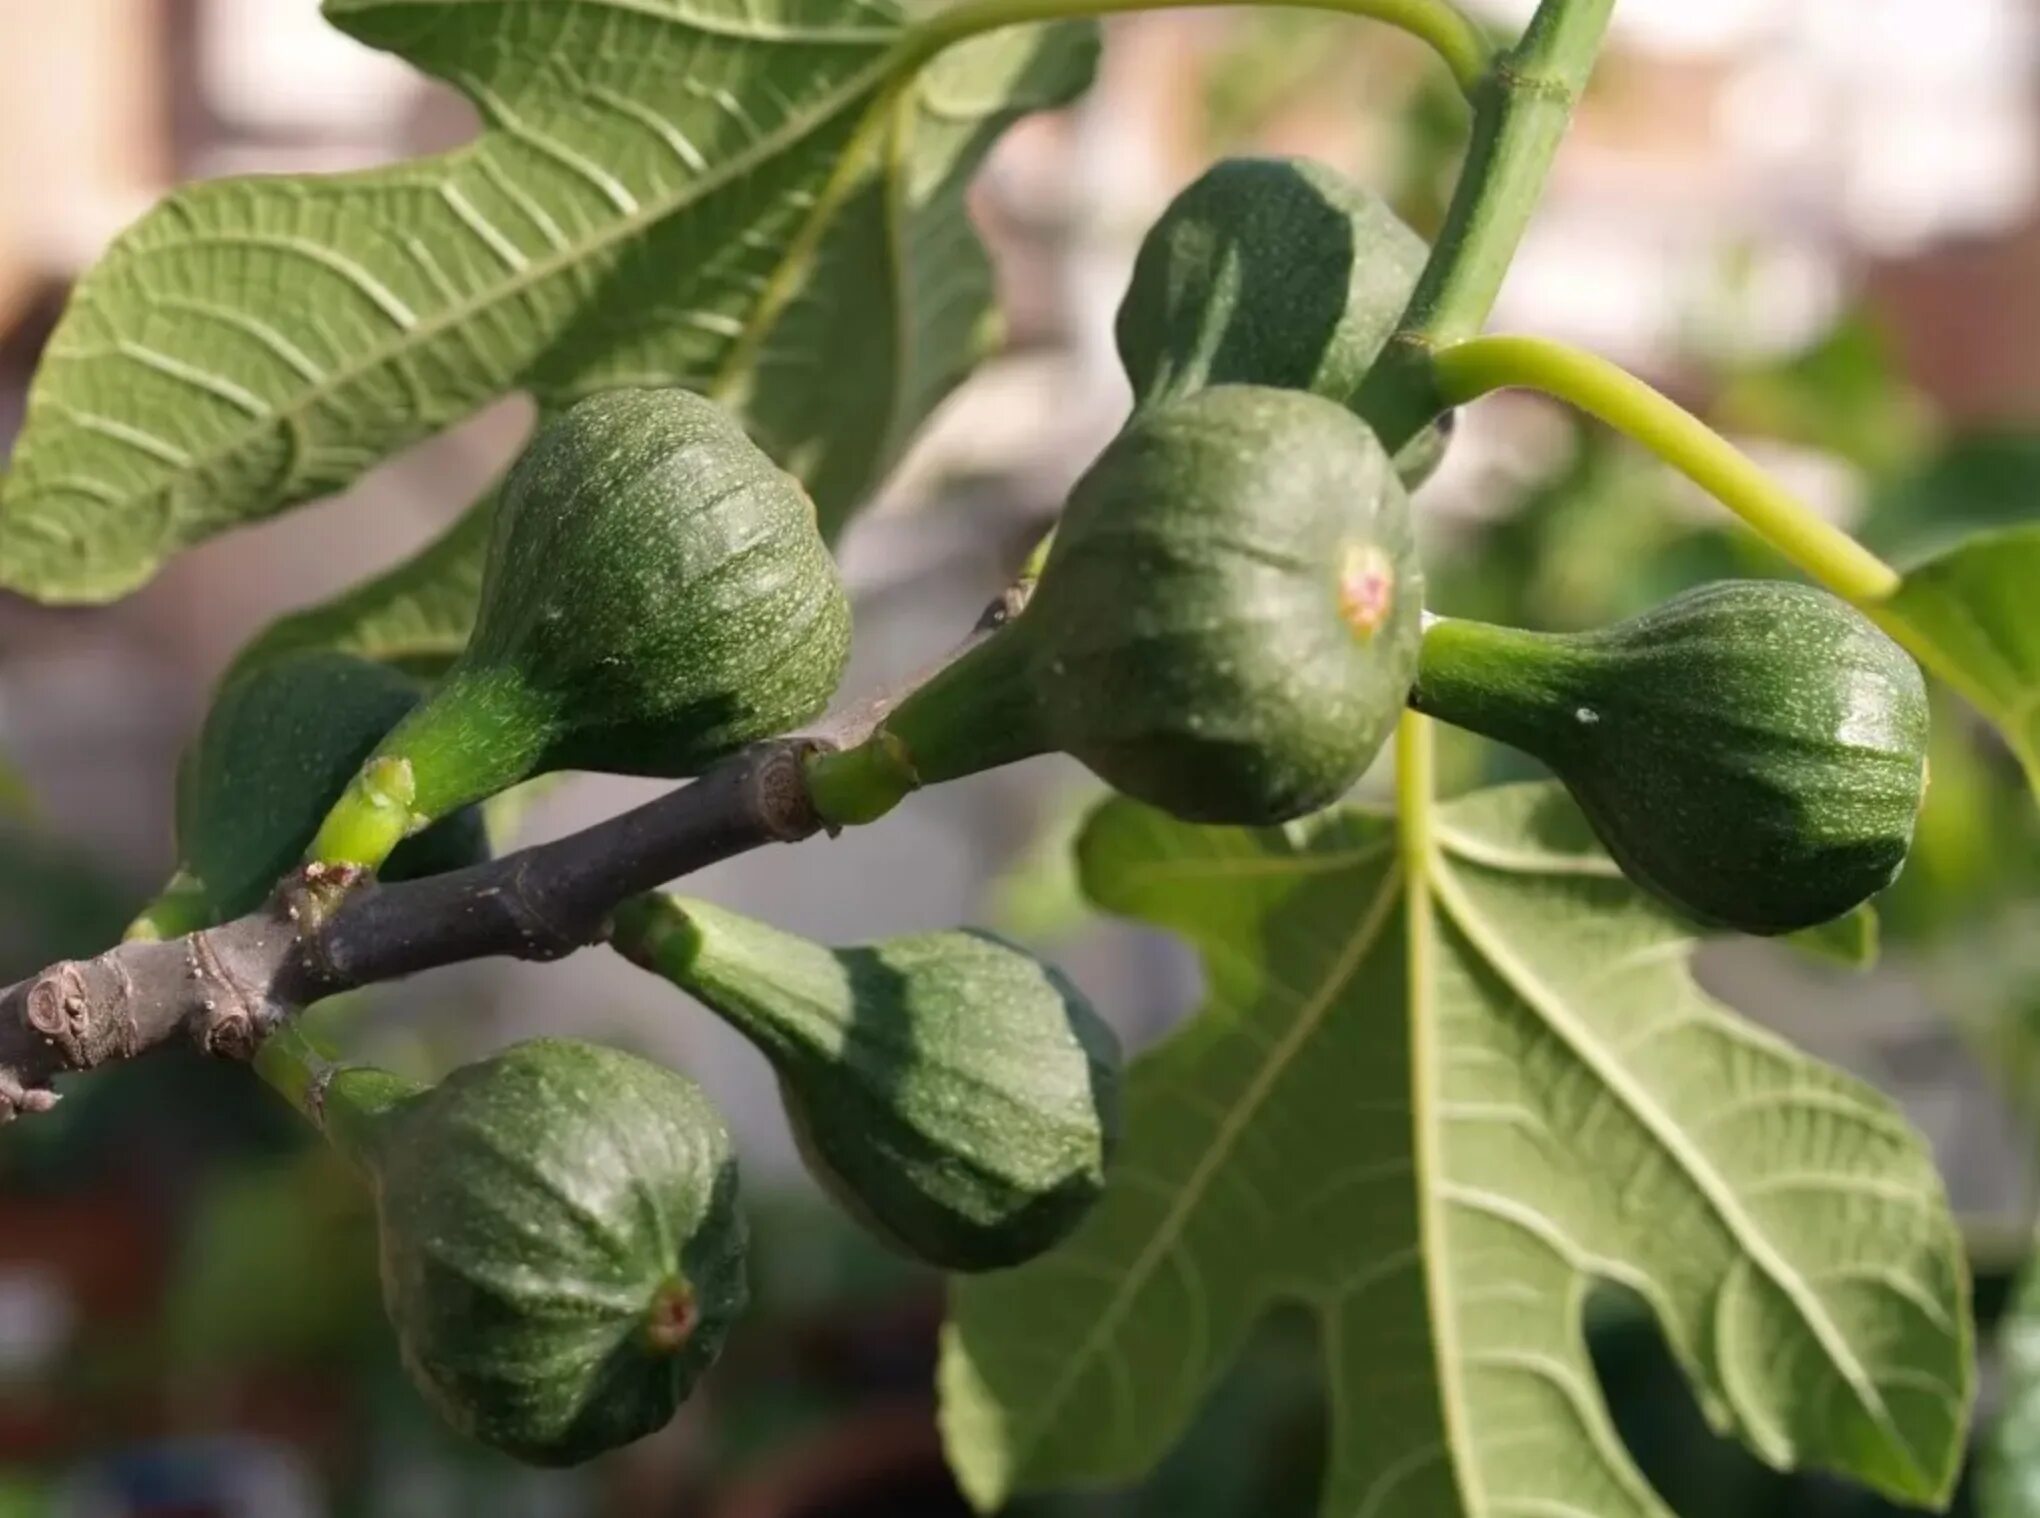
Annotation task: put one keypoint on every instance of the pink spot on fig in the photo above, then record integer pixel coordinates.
(1366, 589)
(671, 1319)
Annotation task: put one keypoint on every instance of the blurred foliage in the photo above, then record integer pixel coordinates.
(1985, 975)
(1037, 897)
(1263, 66)
(245, 1291)
(1845, 394)
(1282, 65)
(53, 902)
(17, 801)
(1971, 484)
(1606, 535)
(1852, 941)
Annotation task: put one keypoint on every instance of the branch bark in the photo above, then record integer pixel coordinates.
(329, 930)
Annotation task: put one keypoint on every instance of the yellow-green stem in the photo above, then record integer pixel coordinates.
(348, 1103)
(1451, 35)
(1611, 394)
(294, 1067)
(1415, 788)
(1522, 105)
(848, 787)
(372, 816)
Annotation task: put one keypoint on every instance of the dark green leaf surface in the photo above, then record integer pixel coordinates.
(654, 200)
(278, 745)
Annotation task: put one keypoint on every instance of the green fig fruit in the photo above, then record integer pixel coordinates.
(1754, 752)
(656, 596)
(958, 1096)
(1226, 625)
(1272, 271)
(562, 1250)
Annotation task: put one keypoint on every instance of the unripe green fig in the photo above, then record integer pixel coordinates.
(1271, 271)
(1754, 752)
(278, 745)
(656, 596)
(562, 1250)
(1226, 626)
(956, 1095)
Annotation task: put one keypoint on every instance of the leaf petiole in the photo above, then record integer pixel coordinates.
(1450, 34)
(1522, 105)
(1611, 394)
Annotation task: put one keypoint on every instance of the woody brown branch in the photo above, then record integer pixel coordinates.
(327, 931)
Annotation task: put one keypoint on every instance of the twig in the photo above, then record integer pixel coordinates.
(327, 930)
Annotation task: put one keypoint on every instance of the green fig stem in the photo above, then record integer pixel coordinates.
(481, 732)
(346, 1103)
(1030, 569)
(713, 954)
(372, 816)
(181, 907)
(296, 1068)
(354, 1106)
(653, 931)
(852, 786)
(975, 713)
(1454, 37)
(1501, 682)
(1612, 395)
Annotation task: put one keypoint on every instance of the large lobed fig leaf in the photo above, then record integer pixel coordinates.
(760, 199)
(1435, 1104)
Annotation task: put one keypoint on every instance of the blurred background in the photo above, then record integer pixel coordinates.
(1815, 221)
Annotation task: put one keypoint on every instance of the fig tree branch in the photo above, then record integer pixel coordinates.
(328, 930)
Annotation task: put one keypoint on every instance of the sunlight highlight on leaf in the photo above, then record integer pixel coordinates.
(655, 201)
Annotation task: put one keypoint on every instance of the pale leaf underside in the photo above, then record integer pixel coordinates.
(1442, 1174)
